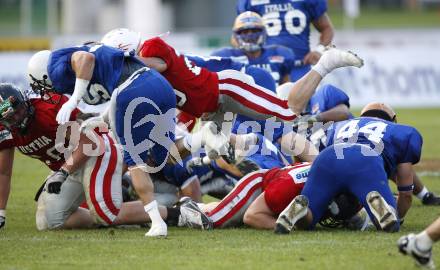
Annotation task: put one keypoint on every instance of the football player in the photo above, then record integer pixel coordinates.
(259, 197)
(419, 246)
(201, 91)
(248, 38)
(140, 113)
(288, 24)
(29, 125)
(361, 155)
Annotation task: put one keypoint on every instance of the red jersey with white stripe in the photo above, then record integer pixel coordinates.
(281, 185)
(197, 89)
(39, 140)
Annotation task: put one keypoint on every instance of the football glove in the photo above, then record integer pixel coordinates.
(2, 218)
(308, 119)
(66, 110)
(55, 180)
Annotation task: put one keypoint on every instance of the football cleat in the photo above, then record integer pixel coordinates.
(431, 199)
(407, 245)
(296, 210)
(192, 216)
(158, 230)
(334, 58)
(384, 214)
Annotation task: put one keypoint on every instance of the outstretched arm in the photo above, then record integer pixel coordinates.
(339, 113)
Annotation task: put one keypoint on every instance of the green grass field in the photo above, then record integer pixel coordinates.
(23, 247)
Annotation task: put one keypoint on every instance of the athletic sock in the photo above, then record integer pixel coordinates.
(320, 69)
(153, 211)
(423, 242)
(422, 193)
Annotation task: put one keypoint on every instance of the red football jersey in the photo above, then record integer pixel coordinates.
(196, 88)
(281, 185)
(39, 140)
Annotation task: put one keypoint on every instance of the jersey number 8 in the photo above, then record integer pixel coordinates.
(274, 23)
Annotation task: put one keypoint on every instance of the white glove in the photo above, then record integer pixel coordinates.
(63, 115)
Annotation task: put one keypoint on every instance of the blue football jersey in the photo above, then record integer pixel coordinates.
(394, 142)
(106, 73)
(326, 98)
(215, 63)
(277, 60)
(287, 21)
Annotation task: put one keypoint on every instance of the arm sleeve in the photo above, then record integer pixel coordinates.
(413, 150)
(60, 71)
(316, 8)
(156, 47)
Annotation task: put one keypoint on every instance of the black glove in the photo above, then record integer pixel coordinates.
(55, 180)
(2, 220)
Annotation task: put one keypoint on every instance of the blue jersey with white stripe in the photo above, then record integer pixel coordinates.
(106, 73)
(277, 60)
(287, 21)
(394, 142)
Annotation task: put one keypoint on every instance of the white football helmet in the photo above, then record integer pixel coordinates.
(124, 39)
(37, 71)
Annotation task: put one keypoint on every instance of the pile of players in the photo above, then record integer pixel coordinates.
(279, 149)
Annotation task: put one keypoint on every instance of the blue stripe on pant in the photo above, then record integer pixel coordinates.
(151, 100)
(354, 173)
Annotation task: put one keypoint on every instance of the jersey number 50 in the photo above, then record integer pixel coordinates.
(274, 23)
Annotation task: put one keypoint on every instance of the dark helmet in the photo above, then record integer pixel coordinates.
(15, 109)
(345, 205)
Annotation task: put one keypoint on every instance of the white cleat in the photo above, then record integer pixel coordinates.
(407, 245)
(296, 210)
(158, 230)
(334, 58)
(384, 214)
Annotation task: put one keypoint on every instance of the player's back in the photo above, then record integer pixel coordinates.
(106, 72)
(396, 143)
(197, 87)
(287, 22)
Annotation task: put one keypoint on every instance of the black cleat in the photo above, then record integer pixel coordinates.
(431, 199)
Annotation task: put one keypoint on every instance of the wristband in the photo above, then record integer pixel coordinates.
(80, 89)
(3, 212)
(405, 188)
(320, 48)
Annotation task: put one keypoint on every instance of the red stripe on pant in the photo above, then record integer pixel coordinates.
(271, 98)
(231, 196)
(93, 190)
(108, 177)
(238, 206)
(255, 106)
